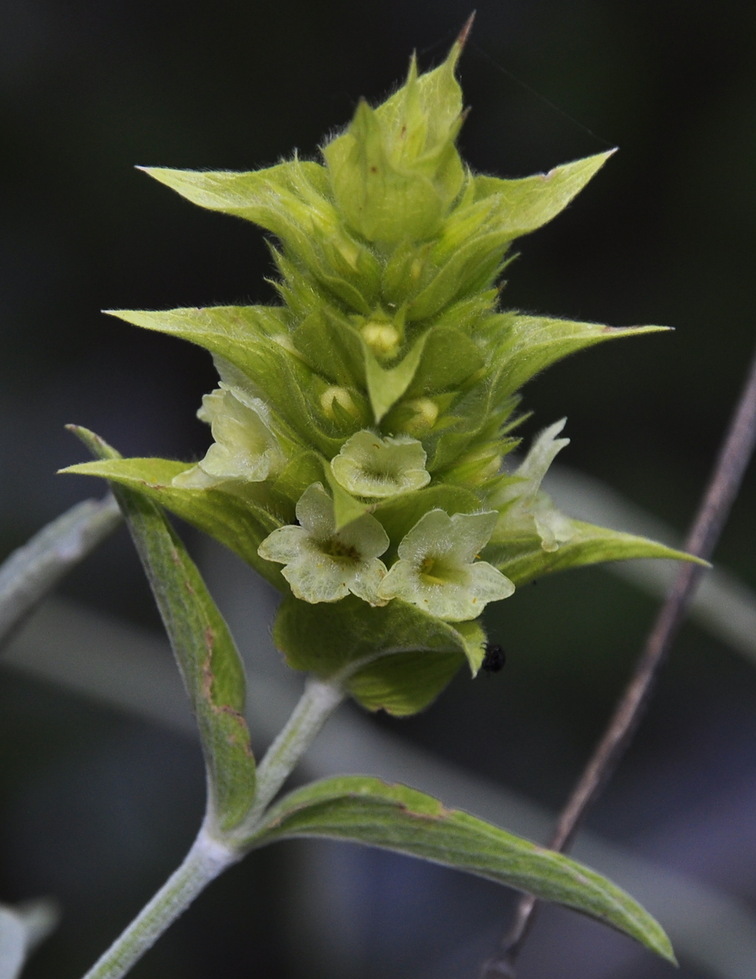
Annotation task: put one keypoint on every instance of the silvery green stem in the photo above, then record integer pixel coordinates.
(204, 862)
(213, 852)
(31, 572)
(315, 706)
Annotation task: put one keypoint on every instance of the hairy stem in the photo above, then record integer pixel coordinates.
(319, 700)
(733, 458)
(213, 851)
(204, 862)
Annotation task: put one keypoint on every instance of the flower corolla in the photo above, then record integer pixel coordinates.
(323, 564)
(437, 568)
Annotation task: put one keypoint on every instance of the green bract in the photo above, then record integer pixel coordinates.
(361, 427)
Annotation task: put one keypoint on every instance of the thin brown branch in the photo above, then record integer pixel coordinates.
(733, 458)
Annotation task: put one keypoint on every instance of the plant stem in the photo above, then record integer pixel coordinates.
(733, 458)
(213, 852)
(319, 700)
(33, 570)
(203, 863)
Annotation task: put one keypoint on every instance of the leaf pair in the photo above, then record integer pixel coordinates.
(354, 808)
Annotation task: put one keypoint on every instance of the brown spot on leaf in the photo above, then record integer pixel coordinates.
(240, 737)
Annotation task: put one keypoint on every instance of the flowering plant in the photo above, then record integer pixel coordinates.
(361, 431)
(360, 427)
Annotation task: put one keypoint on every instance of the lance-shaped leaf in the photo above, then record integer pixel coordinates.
(523, 559)
(234, 519)
(253, 351)
(525, 204)
(207, 657)
(292, 200)
(277, 198)
(366, 810)
(529, 344)
(237, 333)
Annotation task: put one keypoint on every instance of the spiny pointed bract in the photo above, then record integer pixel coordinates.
(395, 172)
(362, 425)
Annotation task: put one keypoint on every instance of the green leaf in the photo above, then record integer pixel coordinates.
(529, 344)
(272, 198)
(256, 341)
(361, 809)
(460, 266)
(207, 657)
(234, 519)
(331, 346)
(525, 204)
(523, 559)
(234, 332)
(387, 384)
(33, 570)
(449, 359)
(292, 200)
(394, 658)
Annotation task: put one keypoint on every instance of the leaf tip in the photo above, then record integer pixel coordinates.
(465, 32)
(95, 443)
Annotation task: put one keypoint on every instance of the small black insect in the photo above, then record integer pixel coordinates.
(494, 658)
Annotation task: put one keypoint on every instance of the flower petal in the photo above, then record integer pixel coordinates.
(323, 564)
(437, 570)
(371, 466)
(244, 447)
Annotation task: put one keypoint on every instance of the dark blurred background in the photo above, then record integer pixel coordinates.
(100, 806)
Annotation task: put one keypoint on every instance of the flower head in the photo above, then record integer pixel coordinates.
(244, 448)
(437, 570)
(323, 564)
(525, 509)
(371, 466)
(389, 375)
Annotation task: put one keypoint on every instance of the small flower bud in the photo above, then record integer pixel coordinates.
(337, 402)
(415, 417)
(382, 338)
